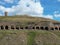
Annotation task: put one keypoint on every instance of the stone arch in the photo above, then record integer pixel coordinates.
(2, 27)
(17, 27)
(21, 27)
(37, 27)
(52, 28)
(26, 27)
(33, 27)
(56, 28)
(42, 28)
(46, 28)
(6, 27)
(59, 28)
(12, 27)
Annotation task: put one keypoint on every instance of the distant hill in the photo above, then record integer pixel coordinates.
(28, 37)
(25, 18)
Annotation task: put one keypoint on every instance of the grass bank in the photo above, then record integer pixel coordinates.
(28, 37)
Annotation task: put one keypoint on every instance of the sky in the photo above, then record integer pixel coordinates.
(38, 8)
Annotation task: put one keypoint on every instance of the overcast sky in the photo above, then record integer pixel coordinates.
(40, 8)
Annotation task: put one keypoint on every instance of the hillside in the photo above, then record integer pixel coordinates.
(24, 19)
(28, 37)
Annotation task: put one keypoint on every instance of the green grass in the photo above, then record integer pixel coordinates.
(24, 19)
(29, 37)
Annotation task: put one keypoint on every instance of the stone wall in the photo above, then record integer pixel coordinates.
(43, 25)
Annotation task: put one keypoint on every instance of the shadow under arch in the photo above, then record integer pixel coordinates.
(46, 28)
(42, 28)
(59, 28)
(2, 27)
(37, 27)
(6, 27)
(52, 28)
(12, 27)
(21, 27)
(17, 27)
(33, 27)
(56, 28)
(26, 27)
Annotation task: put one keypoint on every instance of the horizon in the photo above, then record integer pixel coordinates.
(37, 8)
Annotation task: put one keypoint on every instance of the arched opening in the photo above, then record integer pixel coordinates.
(2, 27)
(37, 27)
(6, 27)
(46, 28)
(26, 27)
(59, 28)
(42, 28)
(33, 27)
(21, 27)
(12, 27)
(52, 28)
(56, 28)
(17, 28)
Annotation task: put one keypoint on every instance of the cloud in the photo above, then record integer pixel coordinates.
(24, 7)
(29, 7)
(48, 16)
(56, 14)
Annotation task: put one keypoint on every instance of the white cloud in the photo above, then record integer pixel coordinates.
(48, 16)
(29, 7)
(56, 14)
(34, 8)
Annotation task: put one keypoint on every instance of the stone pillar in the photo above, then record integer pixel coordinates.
(19, 27)
(9, 27)
(4, 28)
(39, 27)
(43, 27)
(14, 27)
(35, 27)
(49, 28)
(54, 29)
(0, 27)
(58, 28)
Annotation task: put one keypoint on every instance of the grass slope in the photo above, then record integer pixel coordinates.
(28, 37)
(24, 19)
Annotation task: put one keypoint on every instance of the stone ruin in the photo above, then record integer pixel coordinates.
(42, 25)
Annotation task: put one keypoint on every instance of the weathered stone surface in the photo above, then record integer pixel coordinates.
(43, 25)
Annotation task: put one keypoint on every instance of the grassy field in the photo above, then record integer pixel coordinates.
(24, 19)
(29, 37)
